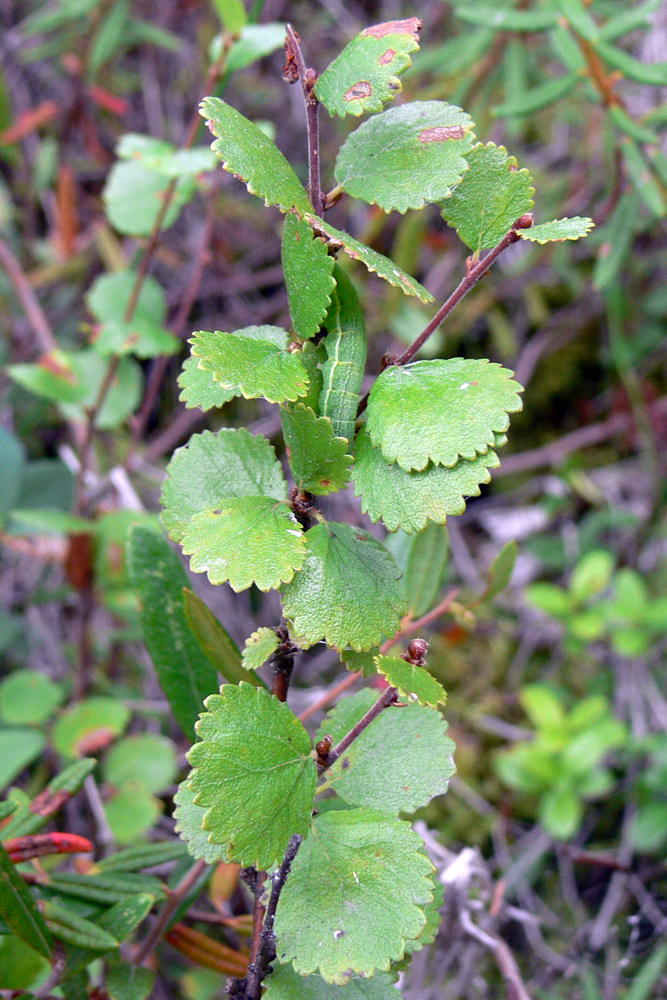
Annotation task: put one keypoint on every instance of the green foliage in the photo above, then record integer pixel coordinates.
(412, 682)
(185, 673)
(440, 411)
(216, 642)
(19, 910)
(407, 156)
(348, 591)
(493, 194)
(318, 458)
(308, 269)
(364, 77)
(28, 697)
(253, 774)
(261, 645)
(252, 362)
(373, 868)
(87, 722)
(558, 230)
(366, 775)
(346, 348)
(199, 387)
(562, 765)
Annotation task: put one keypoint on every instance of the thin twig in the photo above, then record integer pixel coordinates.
(253, 982)
(408, 627)
(474, 273)
(146, 948)
(267, 948)
(503, 956)
(308, 78)
(388, 697)
(31, 307)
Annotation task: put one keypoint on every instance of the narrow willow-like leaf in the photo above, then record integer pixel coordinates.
(354, 896)
(653, 74)
(642, 179)
(407, 156)
(538, 97)
(308, 270)
(440, 411)
(185, 673)
(493, 194)
(422, 557)
(253, 773)
(558, 230)
(216, 642)
(364, 77)
(506, 18)
(19, 910)
(346, 348)
(500, 571)
(619, 233)
(348, 591)
(373, 260)
(248, 153)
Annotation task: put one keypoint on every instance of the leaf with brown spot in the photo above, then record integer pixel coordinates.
(365, 76)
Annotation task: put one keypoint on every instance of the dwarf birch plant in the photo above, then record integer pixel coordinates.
(344, 891)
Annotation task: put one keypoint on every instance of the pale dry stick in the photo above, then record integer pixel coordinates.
(408, 627)
(503, 956)
(148, 945)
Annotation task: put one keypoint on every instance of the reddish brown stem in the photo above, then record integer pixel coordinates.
(388, 697)
(308, 78)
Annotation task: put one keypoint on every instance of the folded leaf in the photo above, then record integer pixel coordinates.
(318, 459)
(308, 269)
(412, 682)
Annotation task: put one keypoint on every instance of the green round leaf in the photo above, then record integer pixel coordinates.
(199, 387)
(408, 500)
(109, 296)
(367, 774)
(412, 682)
(491, 197)
(348, 592)
(189, 819)
(364, 77)
(261, 645)
(440, 411)
(319, 460)
(248, 153)
(308, 269)
(149, 759)
(373, 260)
(134, 195)
(18, 748)
(121, 400)
(90, 722)
(27, 696)
(131, 811)
(246, 540)
(253, 773)
(213, 467)
(558, 230)
(591, 575)
(252, 362)
(407, 156)
(355, 895)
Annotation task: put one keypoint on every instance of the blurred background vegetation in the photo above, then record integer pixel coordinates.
(557, 686)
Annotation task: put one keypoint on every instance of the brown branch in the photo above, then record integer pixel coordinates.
(388, 697)
(174, 900)
(308, 78)
(267, 947)
(28, 299)
(408, 627)
(253, 982)
(282, 662)
(474, 273)
(597, 74)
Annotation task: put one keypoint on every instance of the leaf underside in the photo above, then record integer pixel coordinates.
(189, 819)
(199, 387)
(261, 645)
